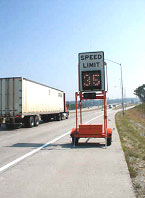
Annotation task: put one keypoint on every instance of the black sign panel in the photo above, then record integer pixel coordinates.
(91, 80)
(91, 71)
(89, 95)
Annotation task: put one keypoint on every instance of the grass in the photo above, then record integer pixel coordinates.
(131, 128)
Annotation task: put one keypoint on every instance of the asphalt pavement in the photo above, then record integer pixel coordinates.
(49, 166)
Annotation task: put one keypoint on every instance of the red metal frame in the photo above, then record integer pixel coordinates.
(91, 131)
(100, 95)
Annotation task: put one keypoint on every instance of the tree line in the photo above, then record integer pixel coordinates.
(91, 103)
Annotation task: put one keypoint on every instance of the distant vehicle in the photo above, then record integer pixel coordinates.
(23, 101)
(110, 106)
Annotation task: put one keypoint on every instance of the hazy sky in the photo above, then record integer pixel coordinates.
(40, 40)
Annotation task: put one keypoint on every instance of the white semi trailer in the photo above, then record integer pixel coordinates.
(23, 101)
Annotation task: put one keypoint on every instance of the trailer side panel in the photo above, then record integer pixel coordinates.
(39, 99)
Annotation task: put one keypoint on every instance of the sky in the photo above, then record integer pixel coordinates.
(40, 40)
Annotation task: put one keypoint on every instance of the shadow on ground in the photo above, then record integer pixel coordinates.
(81, 145)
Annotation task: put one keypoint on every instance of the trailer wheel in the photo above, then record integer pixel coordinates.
(109, 141)
(36, 121)
(31, 121)
(75, 140)
(59, 117)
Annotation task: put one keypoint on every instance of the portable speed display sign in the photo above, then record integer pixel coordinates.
(91, 71)
(91, 87)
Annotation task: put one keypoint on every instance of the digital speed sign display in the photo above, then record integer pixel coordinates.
(91, 71)
(91, 80)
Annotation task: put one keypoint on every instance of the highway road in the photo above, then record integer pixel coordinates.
(41, 162)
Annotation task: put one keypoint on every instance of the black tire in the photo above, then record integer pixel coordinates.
(59, 117)
(109, 141)
(29, 122)
(36, 121)
(75, 140)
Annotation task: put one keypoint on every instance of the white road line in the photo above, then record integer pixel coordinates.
(31, 153)
(39, 148)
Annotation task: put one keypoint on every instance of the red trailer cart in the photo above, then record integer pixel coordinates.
(91, 130)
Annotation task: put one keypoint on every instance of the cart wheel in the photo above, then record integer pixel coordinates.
(109, 141)
(75, 140)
